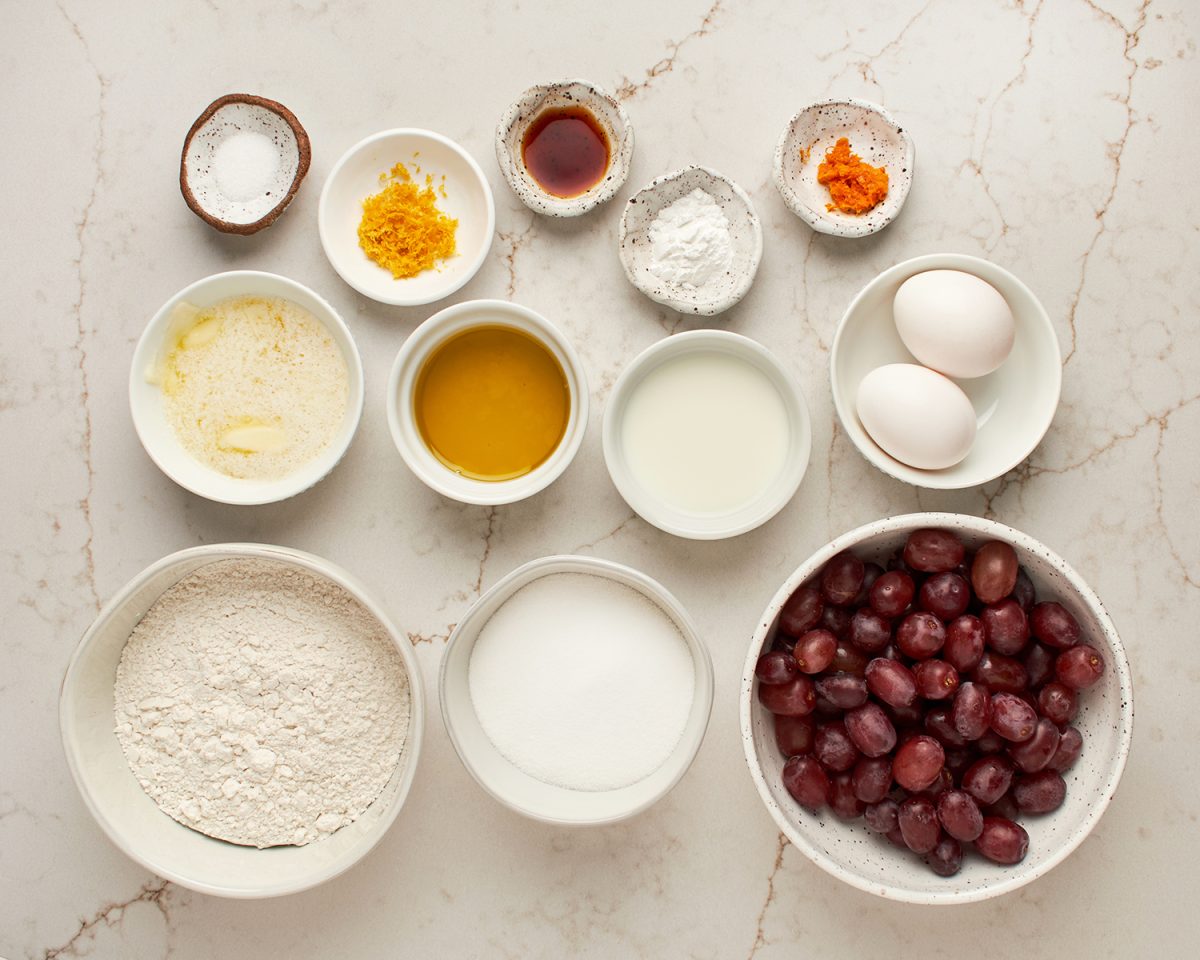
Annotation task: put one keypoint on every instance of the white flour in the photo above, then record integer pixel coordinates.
(260, 704)
(690, 242)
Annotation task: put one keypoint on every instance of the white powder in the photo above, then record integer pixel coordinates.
(690, 242)
(582, 682)
(260, 704)
(245, 164)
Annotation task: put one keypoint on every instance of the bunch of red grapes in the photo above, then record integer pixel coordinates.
(933, 699)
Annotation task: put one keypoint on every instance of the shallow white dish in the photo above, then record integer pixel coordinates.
(707, 526)
(356, 176)
(132, 820)
(1014, 404)
(874, 135)
(510, 135)
(157, 435)
(509, 784)
(401, 385)
(850, 851)
(745, 235)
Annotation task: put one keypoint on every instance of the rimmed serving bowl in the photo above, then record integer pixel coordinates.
(849, 850)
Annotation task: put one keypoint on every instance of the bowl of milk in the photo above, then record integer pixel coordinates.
(707, 435)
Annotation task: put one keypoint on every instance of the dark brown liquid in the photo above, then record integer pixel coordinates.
(565, 151)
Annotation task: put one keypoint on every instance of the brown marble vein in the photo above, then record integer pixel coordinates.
(111, 917)
(760, 937)
(516, 241)
(866, 68)
(628, 89)
(592, 544)
(487, 549)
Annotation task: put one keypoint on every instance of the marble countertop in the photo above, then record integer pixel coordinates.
(1056, 137)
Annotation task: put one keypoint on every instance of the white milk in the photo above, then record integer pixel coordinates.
(706, 433)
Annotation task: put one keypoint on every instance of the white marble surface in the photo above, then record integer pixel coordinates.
(1058, 137)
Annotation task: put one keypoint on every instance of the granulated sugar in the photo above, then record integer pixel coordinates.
(261, 704)
(582, 682)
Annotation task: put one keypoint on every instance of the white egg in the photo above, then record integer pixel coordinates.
(916, 415)
(954, 322)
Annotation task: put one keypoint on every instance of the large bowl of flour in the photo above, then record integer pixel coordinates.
(243, 720)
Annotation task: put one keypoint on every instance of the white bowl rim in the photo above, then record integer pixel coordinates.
(421, 343)
(646, 507)
(943, 261)
(680, 305)
(354, 402)
(996, 531)
(399, 300)
(812, 217)
(664, 599)
(316, 565)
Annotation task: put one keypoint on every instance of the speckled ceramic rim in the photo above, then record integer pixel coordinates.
(664, 517)
(680, 759)
(402, 421)
(813, 217)
(198, 477)
(211, 553)
(943, 479)
(607, 109)
(680, 304)
(1117, 660)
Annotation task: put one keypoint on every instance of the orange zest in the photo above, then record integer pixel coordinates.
(854, 186)
(402, 228)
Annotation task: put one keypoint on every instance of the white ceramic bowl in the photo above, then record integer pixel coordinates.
(667, 517)
(510, 134)
(402, 422)
(1014, 405)
(509, 784)
(132, 820)
(865, 860)
(745, 235)
(356, 176)
(156, 433)
(874, 135)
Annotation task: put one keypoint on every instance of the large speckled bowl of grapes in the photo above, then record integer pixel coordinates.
(936, 708)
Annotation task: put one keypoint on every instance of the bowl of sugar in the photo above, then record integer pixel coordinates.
(706, 434)
(576, 691)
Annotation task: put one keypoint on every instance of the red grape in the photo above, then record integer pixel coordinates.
(1039, 792)
(842, 578)
(834, 748)
(814, 650)
(844, 690)
(1005, 626)
(872, 779)
(869, 631)
(1023, 591)
(988, 778)
(1053, 625)
(842, 800)
(918, 762)
(918, 822)
(871, 573)
(971, 712)
(1033, 754)
(933, 551)
(946, 858)
(964, 643)
(936, 679)
(891, 594)
(801, 611)
(1012, 717)
(959, 814)
(806, 782)
(939, 725)
(870, 729)
(775, 667)
(1000, 674)
(1039, 664)
(920, 635)
(994, 571)
(1002, 841)
(793, 735)
(1079, 667)
(795, 698)
(1005, 807)
(881, 816)
(835, 619)
(892, 682)
(848, 659)
(1058, 702)
(945, 595)
(1069, 746)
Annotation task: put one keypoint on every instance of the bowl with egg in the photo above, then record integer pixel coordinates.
(946, 371)
(252, 782)
(487, 402)
(706, 434)
(246, 387)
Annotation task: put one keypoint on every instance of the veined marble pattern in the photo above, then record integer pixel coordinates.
(1057, 137)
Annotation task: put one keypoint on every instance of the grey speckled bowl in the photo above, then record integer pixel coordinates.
(850, 851)
(745, 234)
(873, 134)
(564, 93)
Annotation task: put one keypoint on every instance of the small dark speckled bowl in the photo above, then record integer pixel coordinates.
(866, 860)
(873, 134)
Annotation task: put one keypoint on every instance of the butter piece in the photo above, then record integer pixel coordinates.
(252, 437)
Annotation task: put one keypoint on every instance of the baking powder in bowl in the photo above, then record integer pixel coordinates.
(582, 682)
